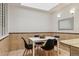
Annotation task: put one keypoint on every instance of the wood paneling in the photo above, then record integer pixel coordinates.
(4, 46)
(74, 51)
(68, 36)
(14, 41)
(17, 43)
(64, 48)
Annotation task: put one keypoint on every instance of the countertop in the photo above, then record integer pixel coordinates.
(71, 42)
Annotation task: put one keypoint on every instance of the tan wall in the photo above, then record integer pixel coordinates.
(4, 46)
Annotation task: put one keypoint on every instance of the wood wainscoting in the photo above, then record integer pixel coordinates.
(66, 36)
(4, 46)
(13, 41)
(65, 49)
(17, 43)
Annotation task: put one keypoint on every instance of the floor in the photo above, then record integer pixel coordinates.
(20, 53)
(16, 52)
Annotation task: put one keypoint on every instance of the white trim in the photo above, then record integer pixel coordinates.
(3, 36)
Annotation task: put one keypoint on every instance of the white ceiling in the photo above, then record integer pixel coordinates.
(41, 6)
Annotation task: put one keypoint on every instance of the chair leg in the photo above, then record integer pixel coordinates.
(37, 50)
(41, 50)
(49, 53)
(27, 52)
(53, 52)
(24, 52)
(46, 52)
(30, 52)
(59, 51)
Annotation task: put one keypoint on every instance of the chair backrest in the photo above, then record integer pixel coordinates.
(36, 36)
(55, 42)
(50, 43)
(25, 43)
(57, 36)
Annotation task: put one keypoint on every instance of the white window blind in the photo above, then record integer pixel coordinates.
(3, 19)
(0, 19)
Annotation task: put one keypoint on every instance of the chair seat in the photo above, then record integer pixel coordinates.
(49, 45)
(39, 43)
(47, 48)
(29, 46)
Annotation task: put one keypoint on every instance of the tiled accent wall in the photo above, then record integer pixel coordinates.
(4, 46)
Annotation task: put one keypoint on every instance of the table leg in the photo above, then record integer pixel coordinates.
(70, 50)
(57, 47)
(33, 49)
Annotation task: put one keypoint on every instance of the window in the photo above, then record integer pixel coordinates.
(3, 19)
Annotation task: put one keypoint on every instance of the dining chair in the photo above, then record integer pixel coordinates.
(36, 35)
(38, 43)
(57, 36)
(56, 40)
(57, 43)
(48, 47)
(28, 47)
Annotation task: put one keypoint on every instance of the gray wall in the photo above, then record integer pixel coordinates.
(28, 20)
(65, 13)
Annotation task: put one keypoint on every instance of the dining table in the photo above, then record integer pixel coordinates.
(38, 39)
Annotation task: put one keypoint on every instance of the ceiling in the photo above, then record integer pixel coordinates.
(40, 6)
